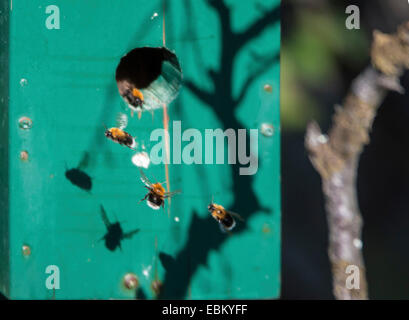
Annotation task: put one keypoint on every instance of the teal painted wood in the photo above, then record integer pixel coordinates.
(63, 80)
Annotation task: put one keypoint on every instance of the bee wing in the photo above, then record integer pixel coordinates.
(121, 120)
(171, 194)
(105, 217)
(131, 147)
(145, 179)
(222, 228)
(235, 215)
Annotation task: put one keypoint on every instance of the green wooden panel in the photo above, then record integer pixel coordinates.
(64, 81)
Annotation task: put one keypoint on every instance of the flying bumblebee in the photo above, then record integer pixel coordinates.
(224, 217)
(118, 135)
(135, 99)
(156, 195)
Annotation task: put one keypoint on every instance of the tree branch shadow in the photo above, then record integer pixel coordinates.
(204, 235)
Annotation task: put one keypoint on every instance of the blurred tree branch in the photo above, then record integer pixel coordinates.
(336, 156)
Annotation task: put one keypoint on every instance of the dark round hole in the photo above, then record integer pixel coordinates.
(148, 77)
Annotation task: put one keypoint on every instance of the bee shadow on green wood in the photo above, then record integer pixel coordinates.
(114, 234)
(77, 176)
(140, 294)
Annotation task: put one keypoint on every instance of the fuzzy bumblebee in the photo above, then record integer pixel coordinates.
(118, 135)
(156, 195)
(224, 217)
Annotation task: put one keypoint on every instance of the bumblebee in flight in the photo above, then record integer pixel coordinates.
(118, 135)
(156, 195)
(224, 217)
(132, 96)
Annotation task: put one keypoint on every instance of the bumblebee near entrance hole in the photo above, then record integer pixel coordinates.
(148, 78)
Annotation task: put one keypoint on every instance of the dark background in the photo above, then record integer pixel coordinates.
(319, 59)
